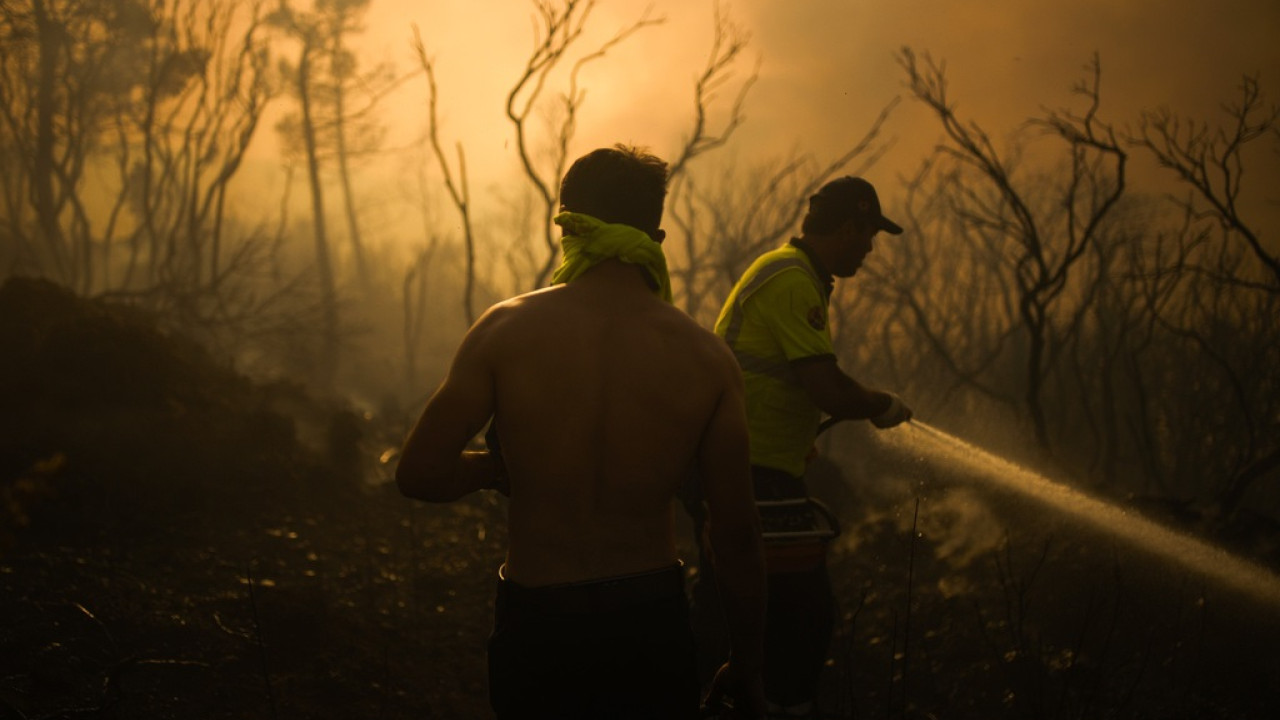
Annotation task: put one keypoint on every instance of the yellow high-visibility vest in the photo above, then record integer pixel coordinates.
(775, 315)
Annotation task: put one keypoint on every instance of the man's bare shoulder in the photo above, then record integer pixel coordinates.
(512, 312)
(681, 322)
(525, 301)
(557, 310)
(699, 339)
(499, 328)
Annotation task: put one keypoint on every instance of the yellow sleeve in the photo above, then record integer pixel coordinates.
(794, 313)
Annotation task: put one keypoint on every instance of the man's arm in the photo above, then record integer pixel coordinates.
(790, 306)
(840, 396)
(434, 463)
(734, 529)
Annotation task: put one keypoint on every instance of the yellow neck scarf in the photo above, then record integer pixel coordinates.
(588, 241)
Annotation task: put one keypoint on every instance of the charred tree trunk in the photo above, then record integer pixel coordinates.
(327, 367)
(42, 189)
(348, 195)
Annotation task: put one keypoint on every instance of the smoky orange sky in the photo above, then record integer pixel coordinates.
(827, 67)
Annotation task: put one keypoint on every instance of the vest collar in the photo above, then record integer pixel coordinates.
(828, 281)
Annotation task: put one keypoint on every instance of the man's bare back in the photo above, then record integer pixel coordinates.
(606, 393)
(605, 398)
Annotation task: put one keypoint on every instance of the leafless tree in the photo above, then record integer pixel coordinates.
(559, 29)
(165, 97)
(307, 29)
(194, 137)
(1214, 428)
(414, 299)
(1210, 160)
(350, 97)
(1142, 341)
(55, 108)
(943, 279)
(1218, 303)
(728, 41)
(1046, 248)
(324, 79)
(459, 189)
(415, 284)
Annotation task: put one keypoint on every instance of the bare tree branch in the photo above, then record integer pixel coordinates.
(559, 27)
(1210, 160)
(459, 191)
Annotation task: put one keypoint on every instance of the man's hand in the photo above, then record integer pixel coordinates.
(896, 414)
(735, 697)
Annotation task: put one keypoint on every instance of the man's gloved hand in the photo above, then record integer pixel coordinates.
(897, 413)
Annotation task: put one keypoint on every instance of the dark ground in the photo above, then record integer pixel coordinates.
(172, 548)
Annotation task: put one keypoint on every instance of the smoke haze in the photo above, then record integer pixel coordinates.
(827, 67)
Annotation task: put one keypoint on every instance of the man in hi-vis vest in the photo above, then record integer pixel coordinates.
(775, 321)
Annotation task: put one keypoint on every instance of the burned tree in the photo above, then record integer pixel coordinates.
(1040, 243)
(160, 104)
(328, 132)
(1210, 161)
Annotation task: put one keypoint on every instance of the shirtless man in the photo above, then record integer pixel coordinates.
(606, 396)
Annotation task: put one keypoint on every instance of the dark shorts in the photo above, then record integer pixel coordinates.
(614, 648)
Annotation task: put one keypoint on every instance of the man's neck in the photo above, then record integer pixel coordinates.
(813, 252)
(618, 276)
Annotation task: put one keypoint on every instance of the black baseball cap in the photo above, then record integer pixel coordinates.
(849, 197)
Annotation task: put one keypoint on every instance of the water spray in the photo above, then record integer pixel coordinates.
(1192, 553)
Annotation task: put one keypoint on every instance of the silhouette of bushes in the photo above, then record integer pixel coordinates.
(137, 416)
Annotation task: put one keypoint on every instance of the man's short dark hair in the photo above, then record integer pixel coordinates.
(621, 184)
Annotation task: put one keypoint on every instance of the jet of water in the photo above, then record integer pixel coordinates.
(1194, 554)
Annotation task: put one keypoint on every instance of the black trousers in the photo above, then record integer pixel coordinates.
(800, 620)
(617, 648)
